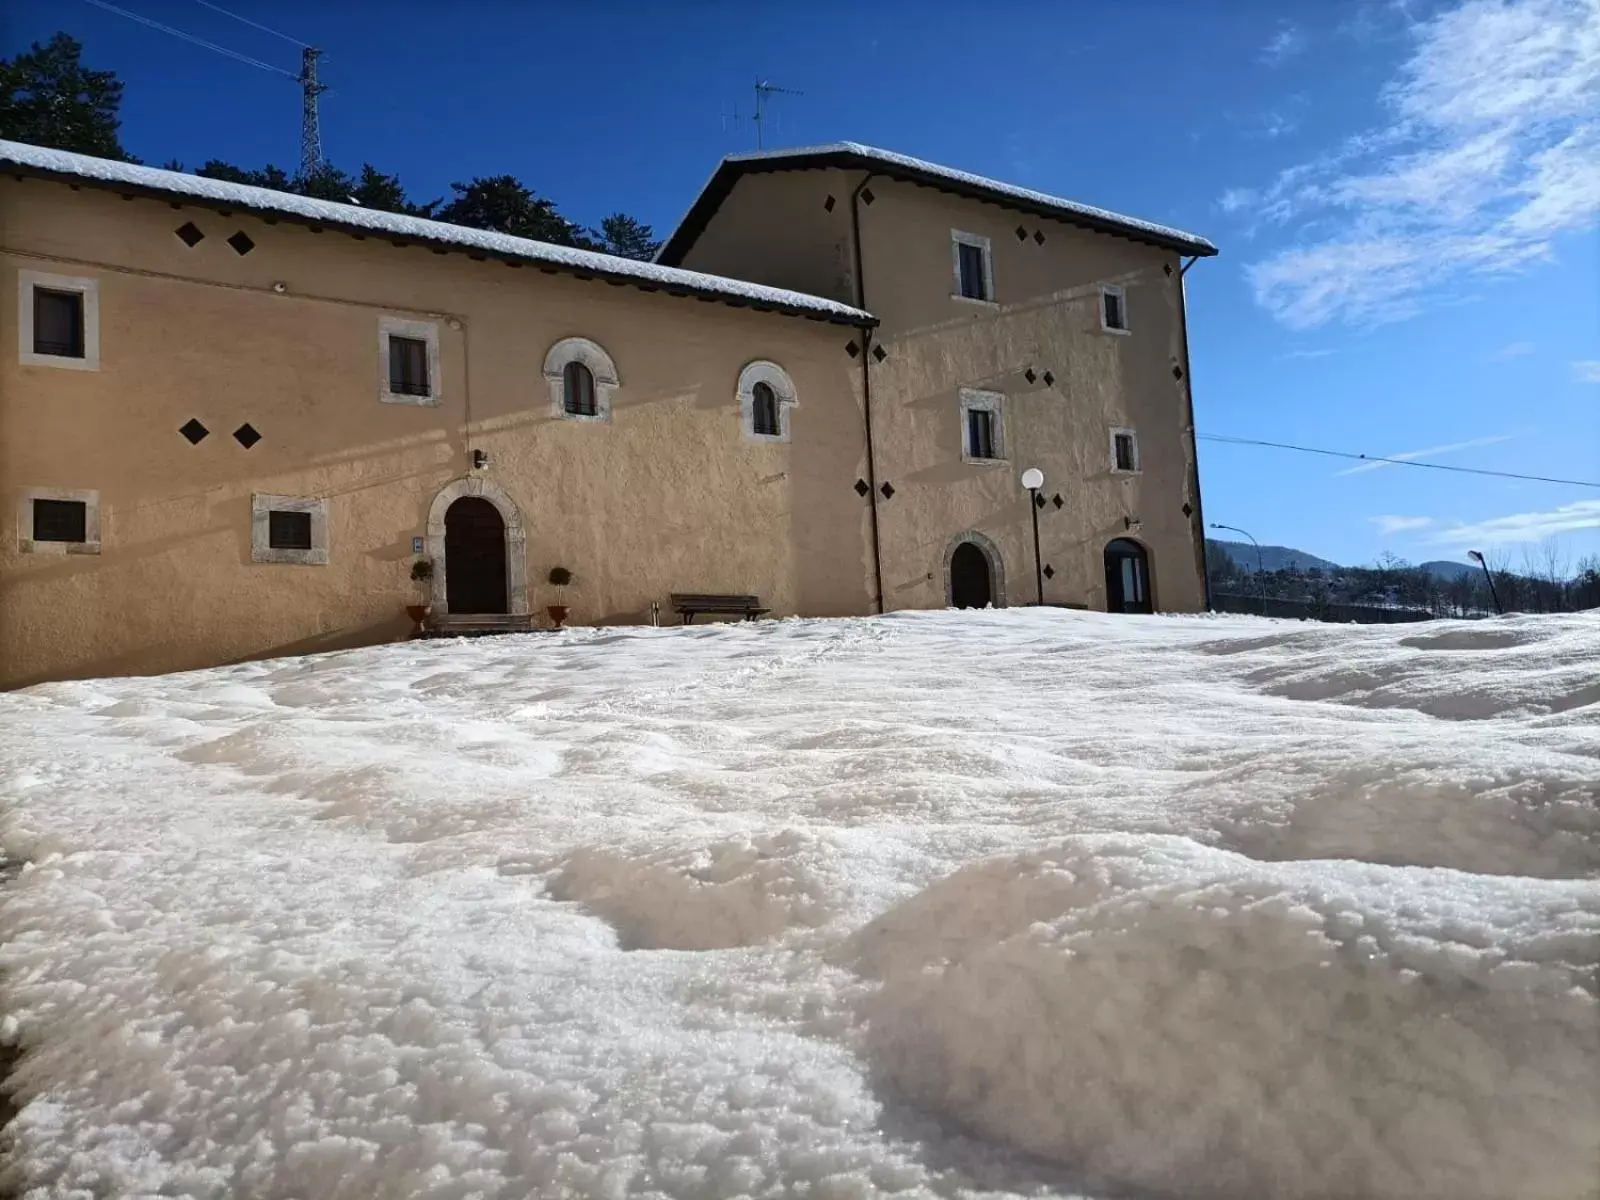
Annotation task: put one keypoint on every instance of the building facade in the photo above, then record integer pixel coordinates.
(232, 420)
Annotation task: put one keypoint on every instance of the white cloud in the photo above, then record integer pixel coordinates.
(1586, 371)
(1513, 350)
(1283, 45)
(1522, 527)
(1430, 452)
(1492, 148)
(1393, 524)
(1235, 199)
(1306, 354)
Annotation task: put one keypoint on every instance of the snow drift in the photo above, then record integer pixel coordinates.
(1185, 1019)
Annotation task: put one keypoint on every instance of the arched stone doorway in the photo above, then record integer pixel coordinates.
(1127, 577)
(479, 549)
(475, 557)
(974, 572)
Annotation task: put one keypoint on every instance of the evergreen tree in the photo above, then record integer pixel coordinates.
(383, 192)
(47, 98)
(503, 204)
(621, 234)
(269, 176)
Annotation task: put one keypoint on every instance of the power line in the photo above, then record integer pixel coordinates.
(252, 24)
(189, 37)
(1399, 462)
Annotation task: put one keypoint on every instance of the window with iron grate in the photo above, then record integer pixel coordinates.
(60, 520)
(577, 390)
(408, 366)
(57, 323)
(288, 530)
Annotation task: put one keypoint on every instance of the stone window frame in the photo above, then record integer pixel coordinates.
(426, 332)
(87, 287)
(261, 548)
(997, 567)
(1133, 434)
(959, 238)
(765, 371)
(91, 521)
(592, 355)
(1121, 293)
(991, 402)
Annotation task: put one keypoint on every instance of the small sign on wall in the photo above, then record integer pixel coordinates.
(416, 545)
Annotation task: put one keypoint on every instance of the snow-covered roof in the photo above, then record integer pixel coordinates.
(20, 158)
(902, 166)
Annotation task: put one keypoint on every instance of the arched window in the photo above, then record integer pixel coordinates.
(577, 390)
(582, 378)
(764, 410)
(766, 400)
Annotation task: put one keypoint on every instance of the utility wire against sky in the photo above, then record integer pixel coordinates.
(189, 37)
(253, 24)
(1399, 462)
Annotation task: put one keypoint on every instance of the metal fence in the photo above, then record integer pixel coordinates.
(1311, 610)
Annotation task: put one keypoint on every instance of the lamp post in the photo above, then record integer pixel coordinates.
(1261, 571)
(1033, 480)
(1477, 557)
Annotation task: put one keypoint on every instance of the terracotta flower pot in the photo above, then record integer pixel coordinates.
(418, 613)
(558, 613)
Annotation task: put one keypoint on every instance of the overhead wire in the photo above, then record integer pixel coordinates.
(189, 37)
(1399, 462)
(253, 24)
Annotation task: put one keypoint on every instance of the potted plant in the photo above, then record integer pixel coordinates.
(422, 576)
(559, 578)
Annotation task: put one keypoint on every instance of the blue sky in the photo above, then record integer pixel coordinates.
(1405, 192)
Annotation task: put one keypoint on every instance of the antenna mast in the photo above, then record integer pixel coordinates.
(765, 88)
(310, 127)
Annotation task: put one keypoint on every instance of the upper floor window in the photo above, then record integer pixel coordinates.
(1124, 451)
(582, 378)
(973, 265)
(982, 426)
(60, 321)
(409, 357)
(58, 521)
(577, 390)
(766, 398)
(1113, 309)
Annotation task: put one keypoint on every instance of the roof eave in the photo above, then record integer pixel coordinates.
(729, 172)
(362, 232)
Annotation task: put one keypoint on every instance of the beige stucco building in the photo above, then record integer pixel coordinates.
(231, 420)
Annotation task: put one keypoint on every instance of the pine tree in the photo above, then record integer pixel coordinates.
(503, 204)
(621, 234)
(47, 98)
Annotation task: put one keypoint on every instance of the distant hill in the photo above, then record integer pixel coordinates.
(1273, 558)
(1441, 568)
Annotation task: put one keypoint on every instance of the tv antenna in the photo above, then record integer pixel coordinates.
(765, 89)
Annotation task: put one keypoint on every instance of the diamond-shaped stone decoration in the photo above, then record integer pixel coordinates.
(828, 204)
(1029, 375)
(879, 353)
(1167, 267)
(1177, 372)
(246, 435)
(852, 349)
(862, 487)
(1188, 509)
(194, 431)
(241, 243)
(1038, 500)
(1038, 236)
(1049, 571)
(1049, 379)
(1057, 500)
(1022, 234)
(189, 234)
(867, 197)
(888, 490)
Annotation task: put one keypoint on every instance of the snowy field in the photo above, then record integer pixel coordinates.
(1022, 902)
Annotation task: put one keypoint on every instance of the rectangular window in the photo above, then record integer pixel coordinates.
(288, 530)
(60, 521)
(974, 269)
(408, 366)
(1113, 310)
(983, 435)
(57, 323)
(980, 433)
(1124, 450)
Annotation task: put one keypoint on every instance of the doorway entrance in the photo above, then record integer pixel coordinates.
(970, 577)
(1127, 577)
(474, 557)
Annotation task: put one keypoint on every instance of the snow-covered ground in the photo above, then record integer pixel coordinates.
(1025, 902)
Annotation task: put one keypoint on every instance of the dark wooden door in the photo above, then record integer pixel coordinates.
(474, 557)
(1127, 577)
(969, 577)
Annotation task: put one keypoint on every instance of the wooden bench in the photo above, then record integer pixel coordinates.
(689, 605)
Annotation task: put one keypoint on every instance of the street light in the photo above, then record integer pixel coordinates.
(1033, 480)
(1477, 557)
(1261, 571)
